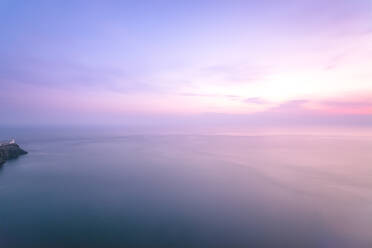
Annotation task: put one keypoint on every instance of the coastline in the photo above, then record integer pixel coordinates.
(10, 151)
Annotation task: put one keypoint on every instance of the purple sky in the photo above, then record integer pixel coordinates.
(201, 62)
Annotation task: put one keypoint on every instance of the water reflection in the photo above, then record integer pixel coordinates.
(190, 191)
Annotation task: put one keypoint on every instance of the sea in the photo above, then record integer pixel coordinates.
(98, 187)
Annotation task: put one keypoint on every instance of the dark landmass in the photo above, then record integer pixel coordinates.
(10, 151)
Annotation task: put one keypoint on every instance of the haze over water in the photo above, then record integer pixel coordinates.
(96, 189)
(186, 123)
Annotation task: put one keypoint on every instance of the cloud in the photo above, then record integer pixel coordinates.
(235, 73)
(349, 107)
(348, 104)
(68, 75)
(289, 113)
(335, 61)
(342, 18)
(290, 106)
(345, 107)
(255, 100)
(233, 97)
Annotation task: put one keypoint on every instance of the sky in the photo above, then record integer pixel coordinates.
(258, 62)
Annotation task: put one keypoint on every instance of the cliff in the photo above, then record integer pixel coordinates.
(10, 151)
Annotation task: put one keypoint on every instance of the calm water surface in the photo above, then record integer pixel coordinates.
(101, 190)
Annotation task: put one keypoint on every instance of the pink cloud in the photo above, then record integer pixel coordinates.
(353, 107)
(350, 106)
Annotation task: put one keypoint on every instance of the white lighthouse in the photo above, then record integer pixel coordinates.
(12, 141)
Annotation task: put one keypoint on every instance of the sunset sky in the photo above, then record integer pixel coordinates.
(128, 62)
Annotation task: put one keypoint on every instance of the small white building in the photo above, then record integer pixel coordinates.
(3, 143)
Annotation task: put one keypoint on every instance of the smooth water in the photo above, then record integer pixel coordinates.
(101, 190)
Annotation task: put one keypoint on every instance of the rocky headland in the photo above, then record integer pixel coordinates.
(10, 151)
